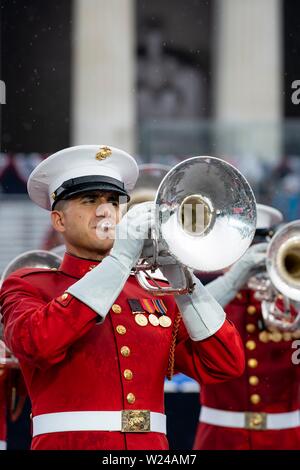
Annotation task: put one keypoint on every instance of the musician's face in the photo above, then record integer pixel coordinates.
(87, 223)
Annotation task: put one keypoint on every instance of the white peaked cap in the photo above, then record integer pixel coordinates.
(267, 216)
(84, 167)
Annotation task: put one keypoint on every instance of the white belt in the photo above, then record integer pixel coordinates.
(250, 419)
(2, 445)
(124, 421)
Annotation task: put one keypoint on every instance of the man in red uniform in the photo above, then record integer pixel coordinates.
(259, 410)
(93, 346)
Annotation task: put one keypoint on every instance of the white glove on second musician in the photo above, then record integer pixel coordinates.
(225, 287)
(99, 288)
(201, 313)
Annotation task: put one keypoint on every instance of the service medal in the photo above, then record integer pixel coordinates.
(264, 336)
(141, 319)
(287, 336)
(153, 320)
(165, 321)
(276, 336)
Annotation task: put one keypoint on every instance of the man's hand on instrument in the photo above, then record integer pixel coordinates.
(225, 287)
(201, 313)
(131, 233)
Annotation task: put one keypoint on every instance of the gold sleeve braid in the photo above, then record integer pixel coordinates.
(171, 362)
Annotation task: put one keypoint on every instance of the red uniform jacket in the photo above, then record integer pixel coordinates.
(270, 383)
(72, 363)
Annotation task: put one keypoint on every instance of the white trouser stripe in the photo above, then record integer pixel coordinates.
(89, 421)
(3, 445)
(237, 419)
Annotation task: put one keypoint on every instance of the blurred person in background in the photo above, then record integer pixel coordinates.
(12, 392)
(281, 186)
(287, 196)
(261, 409)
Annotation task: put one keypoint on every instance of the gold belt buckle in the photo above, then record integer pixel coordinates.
(135, 421)
(255, 420)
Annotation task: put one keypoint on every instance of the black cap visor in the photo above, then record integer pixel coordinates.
(83, 184)
(263, 234)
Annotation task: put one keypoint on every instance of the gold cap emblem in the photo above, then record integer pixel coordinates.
(103, 153)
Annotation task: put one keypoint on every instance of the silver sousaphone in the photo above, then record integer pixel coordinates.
(32, 259)
(283, 270)
(205, 214)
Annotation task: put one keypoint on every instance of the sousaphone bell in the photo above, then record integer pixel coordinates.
(28, 259)
(205, 215)
(283, 269)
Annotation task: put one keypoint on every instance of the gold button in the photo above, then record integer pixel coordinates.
(239, 296)
(128, 374)
(252, 362)
(251, 310)
(250, 327)
(116, 308)
(253, 380)
(251, 345)
(65, 296)
(121, 329)
(255, 399)
(125, 351)
(130, 398)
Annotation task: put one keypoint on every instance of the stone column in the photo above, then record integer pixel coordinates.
(248, 76)
(103, 75)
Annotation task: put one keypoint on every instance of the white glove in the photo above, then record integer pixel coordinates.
(225, 287)
(131, 234)
(99, 288)
(201, 313)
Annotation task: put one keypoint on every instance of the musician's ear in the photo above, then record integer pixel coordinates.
(57, 215)
(58, 220)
